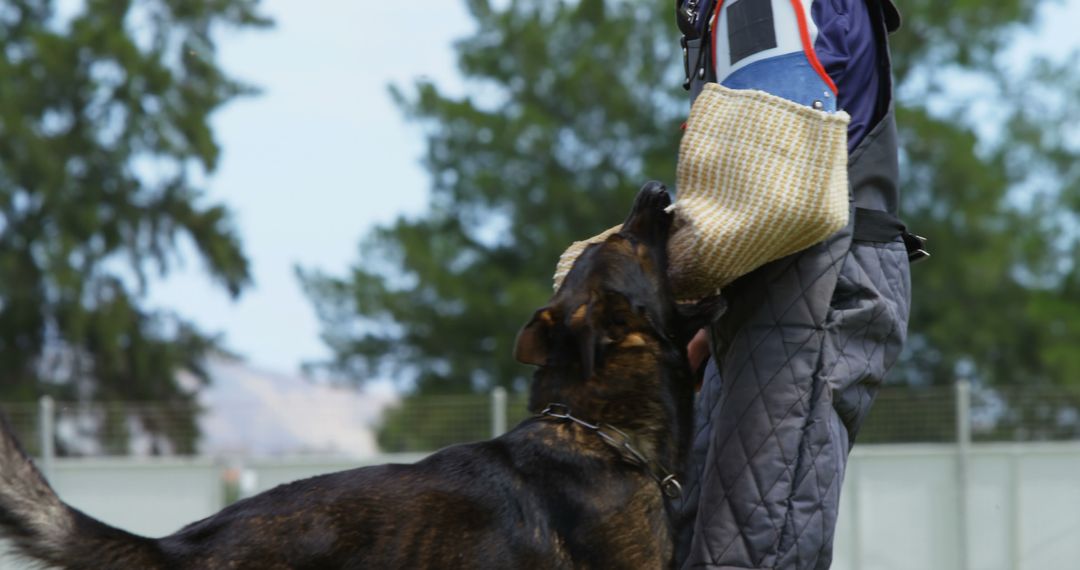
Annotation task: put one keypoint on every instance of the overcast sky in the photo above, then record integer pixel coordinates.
(322, 154)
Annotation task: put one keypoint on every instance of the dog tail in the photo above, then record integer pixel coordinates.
(40, 526)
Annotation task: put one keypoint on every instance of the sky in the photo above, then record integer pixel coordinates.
(323, 155)
(315, 161)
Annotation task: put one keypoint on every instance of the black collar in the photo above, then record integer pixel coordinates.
(618, 439)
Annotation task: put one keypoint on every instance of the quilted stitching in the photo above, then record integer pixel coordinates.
(771, 440)
(767, 430)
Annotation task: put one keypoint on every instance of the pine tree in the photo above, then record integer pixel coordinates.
(104, 141)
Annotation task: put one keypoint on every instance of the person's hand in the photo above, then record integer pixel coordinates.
(697, 351)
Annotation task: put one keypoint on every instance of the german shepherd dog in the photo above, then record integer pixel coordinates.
(580, 485)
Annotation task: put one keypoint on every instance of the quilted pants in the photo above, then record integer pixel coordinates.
(799, 357)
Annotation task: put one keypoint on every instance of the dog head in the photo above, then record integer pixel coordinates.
(613, 329)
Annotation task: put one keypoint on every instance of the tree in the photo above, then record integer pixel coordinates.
(588, 107)
(104, 138)
(992, 178)
(576, 103)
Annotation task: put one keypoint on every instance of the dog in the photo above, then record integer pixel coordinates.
(582, 484)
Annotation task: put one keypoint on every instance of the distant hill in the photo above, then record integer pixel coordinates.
(254, 412)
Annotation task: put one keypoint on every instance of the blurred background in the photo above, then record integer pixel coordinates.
(243, 242)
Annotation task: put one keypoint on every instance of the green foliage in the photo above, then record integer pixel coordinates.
(575, 106)
(571, 105)
(991, 178)
(104, 136)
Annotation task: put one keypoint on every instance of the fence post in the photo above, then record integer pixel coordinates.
(852, 479)
(1015, 538)
(963, 449)
(498, 411)
(47, 433)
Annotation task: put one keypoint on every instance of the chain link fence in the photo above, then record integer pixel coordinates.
(24, 420)
(900, 414)
(903, 414)
(106, 429)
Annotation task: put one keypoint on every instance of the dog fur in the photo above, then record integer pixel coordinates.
(610, 346)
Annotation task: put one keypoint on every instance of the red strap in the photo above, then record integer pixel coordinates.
(804, 35)
(808, 48)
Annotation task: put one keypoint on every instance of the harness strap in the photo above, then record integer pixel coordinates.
(693, 18)
(878, 226)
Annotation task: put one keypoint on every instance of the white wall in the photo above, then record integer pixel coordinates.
(149, 497)
(901, 503)
(899, 511)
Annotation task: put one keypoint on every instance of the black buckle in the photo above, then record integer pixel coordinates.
(916, 247)
(686, 17)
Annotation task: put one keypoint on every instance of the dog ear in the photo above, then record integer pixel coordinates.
(533, 344)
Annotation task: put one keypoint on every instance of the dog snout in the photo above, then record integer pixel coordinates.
(649, 218)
